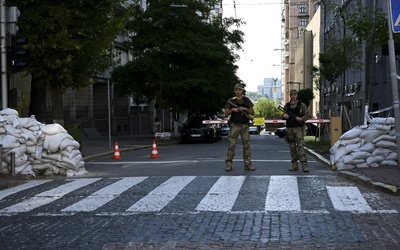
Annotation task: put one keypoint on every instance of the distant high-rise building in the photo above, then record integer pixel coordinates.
(272, 89)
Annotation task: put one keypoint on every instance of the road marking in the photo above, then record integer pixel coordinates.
(162, 195)
(48, 196)
(104, 195)
(222, 195)
(283, 194)
(13, 190)
(180, 161)
(348, 199)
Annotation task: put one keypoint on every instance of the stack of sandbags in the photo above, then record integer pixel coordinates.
(370, 145)
(37, 147)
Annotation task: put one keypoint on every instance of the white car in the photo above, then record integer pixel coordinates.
(253, 130)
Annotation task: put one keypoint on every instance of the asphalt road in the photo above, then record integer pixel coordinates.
(184, 199)
(270, 156)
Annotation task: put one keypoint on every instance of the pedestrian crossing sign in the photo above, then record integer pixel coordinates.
(395, 11)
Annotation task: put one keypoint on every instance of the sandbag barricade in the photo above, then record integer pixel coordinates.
(372, 145)
(38, 147)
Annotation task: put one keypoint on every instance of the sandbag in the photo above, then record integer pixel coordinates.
(9, 141)
(388, 163)
(351, 134)
(382, 120)
(370, 135)
(386, 144)
(384, 137)
(52, 129)
(374, 159)
(367, 147)
(52, 142)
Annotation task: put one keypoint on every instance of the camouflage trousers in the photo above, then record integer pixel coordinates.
(235, 131)
(295, 138)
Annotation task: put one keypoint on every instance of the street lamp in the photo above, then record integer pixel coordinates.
(293, 82)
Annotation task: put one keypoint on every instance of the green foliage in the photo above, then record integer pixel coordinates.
(371, 27)
(75, 130)
(339, 55)
(181, 58)
(69, 41)
(267, 108)
(316, 144)
(305, 96)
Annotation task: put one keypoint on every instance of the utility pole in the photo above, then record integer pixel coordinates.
(393, 78)
(3, 51)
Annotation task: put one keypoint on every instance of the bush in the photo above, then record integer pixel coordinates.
(74, 129)
(314, 143)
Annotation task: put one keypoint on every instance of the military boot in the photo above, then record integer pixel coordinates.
(304, 166)
(249, 168)
(295, 167)
(228, 166)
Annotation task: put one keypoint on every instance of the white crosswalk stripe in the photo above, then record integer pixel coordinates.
(14, 190)
(158, 195)
(283, 194)
(104, 195)
(162, 195)
(48, 196)
(348, 199)
(222, 195)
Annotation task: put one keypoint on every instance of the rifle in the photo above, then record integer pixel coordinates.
(290, 114)
(245, 113)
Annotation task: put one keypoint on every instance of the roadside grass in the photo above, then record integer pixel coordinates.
(314, 143)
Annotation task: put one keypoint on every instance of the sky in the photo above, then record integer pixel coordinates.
(262, 35)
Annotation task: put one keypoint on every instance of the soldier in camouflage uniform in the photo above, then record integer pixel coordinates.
(239, 108)
(296, 113)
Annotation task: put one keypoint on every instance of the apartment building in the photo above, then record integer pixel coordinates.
(296, 15)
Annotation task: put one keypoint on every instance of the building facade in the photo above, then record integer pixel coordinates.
(296, 15)
(271, 89)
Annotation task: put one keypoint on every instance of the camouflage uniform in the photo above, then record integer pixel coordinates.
(239, 125)
(295, 136)
(235, 131)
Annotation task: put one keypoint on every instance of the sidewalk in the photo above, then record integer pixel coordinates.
(385, 179)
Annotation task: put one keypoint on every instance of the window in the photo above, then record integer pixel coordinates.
(302, 8)
(299, 32)
(302, 22)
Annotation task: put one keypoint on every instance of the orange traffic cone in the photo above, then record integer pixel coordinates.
(154, 152)
(116, 156)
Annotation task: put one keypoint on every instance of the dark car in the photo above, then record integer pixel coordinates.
(280, 132)
(194, 129)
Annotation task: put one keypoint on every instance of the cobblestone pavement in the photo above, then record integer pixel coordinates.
(204, 231)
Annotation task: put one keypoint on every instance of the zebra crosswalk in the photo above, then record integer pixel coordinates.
(184, 194)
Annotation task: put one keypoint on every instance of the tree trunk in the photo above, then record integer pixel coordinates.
(57, 104)
(37, 104)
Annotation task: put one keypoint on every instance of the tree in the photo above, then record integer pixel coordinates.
(267, 108)
(305, 96)
(183, 57)
(371, 27)
(338, 56)
(68, 44)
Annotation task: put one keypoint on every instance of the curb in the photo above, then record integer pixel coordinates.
(359, 178)
(390, 189)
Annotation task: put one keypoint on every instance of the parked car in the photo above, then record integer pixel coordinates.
(225, 129)
(280, 132)
(195, 130)
(254, 130)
